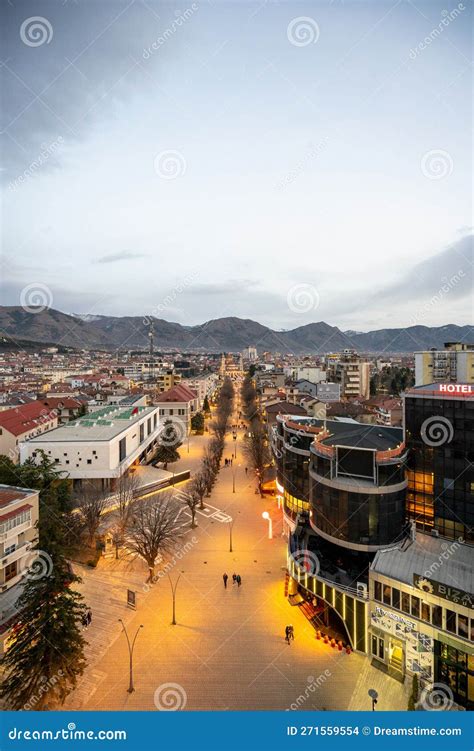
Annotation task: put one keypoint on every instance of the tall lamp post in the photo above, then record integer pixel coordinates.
(374, 696)
(266, 516)
(130, 688)
(231, 524)
(173, 592)
(234, 436)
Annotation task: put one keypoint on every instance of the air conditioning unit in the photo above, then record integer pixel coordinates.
(362, 590)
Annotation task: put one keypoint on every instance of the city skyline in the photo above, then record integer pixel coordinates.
(328, 154)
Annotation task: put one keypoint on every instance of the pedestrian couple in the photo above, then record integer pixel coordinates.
(289, 634)
(86, 618)
(236, 579)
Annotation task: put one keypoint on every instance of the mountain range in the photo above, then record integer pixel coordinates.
(218, 335)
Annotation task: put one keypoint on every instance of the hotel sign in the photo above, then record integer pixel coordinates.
(455, 388)
(452, 594)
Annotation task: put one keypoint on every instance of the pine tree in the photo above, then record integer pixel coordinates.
(167, 451)
(205, 406)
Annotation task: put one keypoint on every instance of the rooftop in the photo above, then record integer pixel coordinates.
(450, 563)
(10, 495)
(101, 425)
(21, 419)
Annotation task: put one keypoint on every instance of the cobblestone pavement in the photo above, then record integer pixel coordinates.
(227, 651)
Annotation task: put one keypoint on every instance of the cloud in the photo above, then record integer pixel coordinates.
(122, 255)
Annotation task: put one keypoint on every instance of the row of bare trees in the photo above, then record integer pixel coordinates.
(256, 448)
(203, 481)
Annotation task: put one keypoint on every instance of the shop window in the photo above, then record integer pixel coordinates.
(451, 621)
(406, 603)
(396, 598)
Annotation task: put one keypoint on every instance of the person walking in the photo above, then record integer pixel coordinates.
(239, 580)
(234, 578)
(89, 617)
(246, 470)
(225, 577)
(287, 634)
(292, 632)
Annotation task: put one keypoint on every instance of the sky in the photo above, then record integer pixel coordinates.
(287, 162)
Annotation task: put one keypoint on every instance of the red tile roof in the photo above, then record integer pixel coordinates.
(8, 495)
(179, 393)
(15, 512)
(19, 420)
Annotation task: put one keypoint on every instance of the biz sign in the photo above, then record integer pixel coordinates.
(455, 388)
(445, 591)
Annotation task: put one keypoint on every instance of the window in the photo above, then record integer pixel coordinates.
(425, 612)
(405, 602)
(122, 449)
(142, 432)
(10, 571)
(437, 616)
(9, 549)
(155, 418)
(387, 594)
(89, 461)
(148, 426)
(15, 521)
(463, 626)
(378, 591)
(396, 598)
(415, 607)
(451, 621)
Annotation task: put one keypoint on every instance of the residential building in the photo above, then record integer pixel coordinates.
(178, 405)
(453, 364)
(439, 432)
(18, 519)
(352, 373)
(23, 423)
(99, 447)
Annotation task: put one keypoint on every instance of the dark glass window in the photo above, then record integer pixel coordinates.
(405, 602)
(387, 594)
(396, 598)
(378, 591)
(425, 612)
(415, 607)
(122, 449)
(451, 621)
(142, 432)
(463, 626)
(437, 615)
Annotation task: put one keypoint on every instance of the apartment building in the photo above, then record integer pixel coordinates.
(453, 364)
(352, 373)
(23, 423)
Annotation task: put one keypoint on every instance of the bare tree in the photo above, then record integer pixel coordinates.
(199, 487)
(153, 529)
(125, 493)
(192, 500)
(256, 451)
(91, 506)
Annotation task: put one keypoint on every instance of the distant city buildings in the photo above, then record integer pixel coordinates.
(351, 372)
(453, 364)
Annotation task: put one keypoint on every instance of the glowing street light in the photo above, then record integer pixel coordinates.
(266, 516)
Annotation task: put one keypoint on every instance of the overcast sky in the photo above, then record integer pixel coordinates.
(286, 162)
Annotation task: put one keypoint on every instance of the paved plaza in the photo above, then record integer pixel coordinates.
(227, 651)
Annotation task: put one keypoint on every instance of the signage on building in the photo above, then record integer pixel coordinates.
(381, 613)
(455, 388)
(458, 596)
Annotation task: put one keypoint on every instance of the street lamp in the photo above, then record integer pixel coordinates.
(173, 592)
(231, 524)
(266, 515)
(130, 688)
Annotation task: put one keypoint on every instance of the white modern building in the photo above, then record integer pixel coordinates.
(18, 518)
(99, 447)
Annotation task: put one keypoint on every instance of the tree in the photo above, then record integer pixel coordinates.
(197, 423)
(206, 406)
(256, 451)
(192, 500)
(125, 492)
(167, 451)
(91, 505)
(153, 529)
(199, 486)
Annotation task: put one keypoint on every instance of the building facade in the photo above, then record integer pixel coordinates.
(439, 433)
(453, 364)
